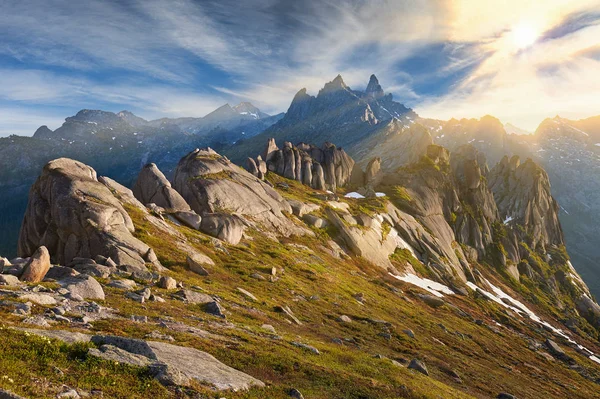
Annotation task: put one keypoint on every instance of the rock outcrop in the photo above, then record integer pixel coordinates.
(152, 187)
(38, 265)
(522, 193)
(211, 184)
(74, 215)
(323, 168)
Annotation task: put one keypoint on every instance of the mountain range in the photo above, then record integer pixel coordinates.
(367, 124)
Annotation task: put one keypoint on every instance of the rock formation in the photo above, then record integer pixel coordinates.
(214, 186)
(74, 215)
(323, 168)
(152, 187)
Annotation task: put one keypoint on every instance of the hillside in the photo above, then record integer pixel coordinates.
(279, 282)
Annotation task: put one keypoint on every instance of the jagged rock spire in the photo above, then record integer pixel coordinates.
(374, 89)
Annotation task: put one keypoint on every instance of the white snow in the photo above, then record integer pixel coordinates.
(521, 309)
(430, 286)
(114, 138)
(470, 141)
(380, 194)
(508, 219)
(597, 144)
(354, 194)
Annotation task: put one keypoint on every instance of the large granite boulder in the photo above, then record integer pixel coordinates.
(212, 184)
(38, 265)
(152, 187)
(74, 215)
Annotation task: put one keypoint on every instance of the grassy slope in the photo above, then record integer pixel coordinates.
(318, 288)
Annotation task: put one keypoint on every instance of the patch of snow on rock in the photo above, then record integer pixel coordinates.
(354, 194)
(430, 286)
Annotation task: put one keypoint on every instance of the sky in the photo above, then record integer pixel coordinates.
(519, 60)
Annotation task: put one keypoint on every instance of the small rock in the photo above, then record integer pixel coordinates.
(344, 319)
(35, 270)
(409, 332)
(269, 328)
(193, 297)
(168, 283)
(258, 276)
(247, 294)
(504, 395)
(8, 279)
(124, 284)
(307, 347)
(40, 299)
(85, 286)
(135, 297)
(196, 263)
(432, 301)
(70, 394)
(419, 366)
(294, 393)
(139, 319)
(215, 309)
(37, 321)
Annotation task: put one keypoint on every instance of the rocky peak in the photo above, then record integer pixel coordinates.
(131, 118)
(522, 193)
(374, 90)
(335, 85)
(247, 108)
(43, 132)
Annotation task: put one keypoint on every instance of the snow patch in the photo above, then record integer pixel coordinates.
(380, 195)
(508, 219)
(354, 194)
(430, 286)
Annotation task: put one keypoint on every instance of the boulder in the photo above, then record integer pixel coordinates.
(188, 218)
(35, 270)
(228, 228)
(167, 283)
(74, 215)
(85, 286)
(197, 261)
(212, 184)
(175, 364)
(419, 366)
(152, 187)
(8, 279)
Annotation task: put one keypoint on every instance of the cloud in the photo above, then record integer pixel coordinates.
(184, 57)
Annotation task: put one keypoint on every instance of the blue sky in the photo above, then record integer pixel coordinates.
(520, 60)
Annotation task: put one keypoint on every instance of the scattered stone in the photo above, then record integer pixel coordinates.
(37, 321)
(215, 309)
(135, 297)
(419, 366)
(258, 276)
(85, 286)
(93, 269)
(307, 347)
(193, 297)
(70, 394)
(168, 283)
(40, 299)
(8, 279)
(289, 313)
(158, 335)
(315, 221)
(294, 393)
(409, 332)
(247, 294)
(432, 301)
(9, 395)
(35, 270)
(269, 328)
(197, 261)
(139, 319)
(124, 284)
(344, 319)
(504, 395)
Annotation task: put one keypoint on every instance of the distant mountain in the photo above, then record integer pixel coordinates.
(340, 115)
(512, 129)
(117, 145)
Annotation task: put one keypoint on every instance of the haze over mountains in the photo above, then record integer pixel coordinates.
(366, 124)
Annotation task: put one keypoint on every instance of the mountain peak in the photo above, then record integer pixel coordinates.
(336, 84)
(247, 108)
(374, 89)
(43, 132)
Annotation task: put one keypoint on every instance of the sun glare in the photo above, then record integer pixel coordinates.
(524, 35)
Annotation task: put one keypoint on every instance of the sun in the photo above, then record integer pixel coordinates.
(524, 35)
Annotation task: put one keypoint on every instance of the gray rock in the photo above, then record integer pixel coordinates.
(315, 221)
(185, 364)
(123, 284)
(40, 299)
(211, 183)
(9, 395)
(93, 211)
(294, 393)
(228, 228)
(189, 218)
(193, 297)
(84, 286)
(247, 294)
(307, 347)
(432, 301)
(61, 272)
(197, 261)
(419, 366)
(215, 309)
(344, 319)
(153, 187)
(10, 280)
(70, 394)
(504, 395)
(409, 332)
(94, 270)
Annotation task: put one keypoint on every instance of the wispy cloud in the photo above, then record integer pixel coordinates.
(184, 57)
